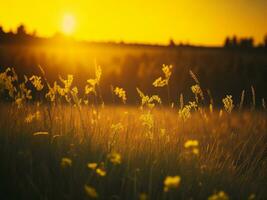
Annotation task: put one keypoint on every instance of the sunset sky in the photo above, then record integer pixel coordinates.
(205, 22)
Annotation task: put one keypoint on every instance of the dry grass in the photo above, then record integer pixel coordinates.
(68, 145)
(232, 153)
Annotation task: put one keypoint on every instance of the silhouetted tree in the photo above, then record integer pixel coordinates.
(246, 43)
(21, 30)
(239, 43)
(234, 41)
(227, 42)
(171, 43)
(1, 30)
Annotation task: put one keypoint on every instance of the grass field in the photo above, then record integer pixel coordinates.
(72, 147)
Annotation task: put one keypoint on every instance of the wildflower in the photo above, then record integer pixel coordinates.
(92, 166)
(121, 94)
(228, 103)
(30, 117)
(161, 82)
(114, 158)
(90, 191)
(193, 104)
(23, 92)
(171, 182)
(196, 89)
(185, 112)
(90, 88)
(6, 81)
(66, 90)
(92, 83)
(98, 73)
(37, 83)
(67, 83)
(148, 101)
(221, 195)
(191, 143)
(66, 162)
(19, 102)
(52, 91)
(101, 172)
(74, 93)
(147, 120)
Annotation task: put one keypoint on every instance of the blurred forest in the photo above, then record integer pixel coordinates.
(221, 70)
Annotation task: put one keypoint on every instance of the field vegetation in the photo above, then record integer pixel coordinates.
(58, 141)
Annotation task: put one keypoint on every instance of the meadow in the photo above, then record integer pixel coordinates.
(61, 142)
(220, 70)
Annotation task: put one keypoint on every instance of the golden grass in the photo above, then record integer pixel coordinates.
(70, 147)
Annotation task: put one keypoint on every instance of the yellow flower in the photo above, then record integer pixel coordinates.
(228, 103)
(148, 101)
(101, 172)
(114, 158)
(221, 195)
(196, 89)
(120, 92)
(191, 143)
(98, 73)
(171, 182)
(19, 102)
(30, 117)
(92, 165)
(160, 82)
(90, 191)
(37, 83)
(66, 162)
(184, 113)
(91, 87)
(51, 94)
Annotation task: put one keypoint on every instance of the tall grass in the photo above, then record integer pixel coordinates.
(73, 146)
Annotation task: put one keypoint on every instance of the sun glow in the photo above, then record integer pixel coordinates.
(68, 24)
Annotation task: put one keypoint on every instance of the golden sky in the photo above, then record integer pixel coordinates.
(152, 21)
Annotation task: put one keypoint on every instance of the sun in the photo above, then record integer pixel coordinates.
(68, 24)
